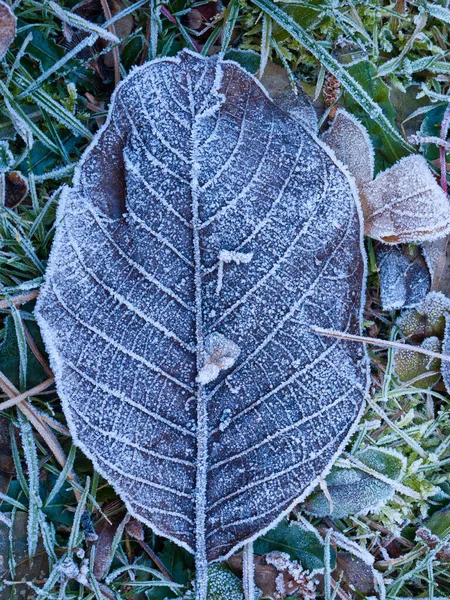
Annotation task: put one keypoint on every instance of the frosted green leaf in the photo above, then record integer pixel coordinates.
(223, 584)
(427, 319)
(411, 365)
(354, 492)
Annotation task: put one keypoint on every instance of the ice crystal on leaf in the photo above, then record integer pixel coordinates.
(195, 158)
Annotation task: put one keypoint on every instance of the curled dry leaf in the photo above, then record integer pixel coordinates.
(437, 255)
(352, 146)
(7, 28)
(16, 189)
(405, 204)
(196, 159)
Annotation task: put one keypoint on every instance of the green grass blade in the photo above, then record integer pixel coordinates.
(22, 346)
(231, 15)
(325, 58)
(35, 503)
(62, 476)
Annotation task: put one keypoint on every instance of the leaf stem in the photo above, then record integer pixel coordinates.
(376, 342)
(248, 572)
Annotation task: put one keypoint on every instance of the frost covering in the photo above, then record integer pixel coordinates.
(195, 160)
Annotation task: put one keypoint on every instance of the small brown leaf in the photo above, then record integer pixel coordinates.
(356, 574)
(122, 28)
(6, 460)
(135, 529)
(352, 146)
(16, 189)
(106, 532)
(437, 256)
(405, 204)
(7, 28)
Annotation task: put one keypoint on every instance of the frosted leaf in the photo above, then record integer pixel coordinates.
(405, 204)
(445, 366)
(7, 28)
(223, 584)
(195, 159)
(352, 146)
(303, 545)
(411, 365)
(354, 492)
(427, 319)
(404, 277)
(295, 102)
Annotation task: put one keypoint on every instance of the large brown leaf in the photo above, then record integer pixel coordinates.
(206, 232)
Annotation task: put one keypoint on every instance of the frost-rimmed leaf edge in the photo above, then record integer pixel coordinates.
(54, 354)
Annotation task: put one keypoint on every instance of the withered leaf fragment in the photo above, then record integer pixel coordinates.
(195, 160)
(402, 204)
(405, 204)
(7, 28)
(16, 189)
